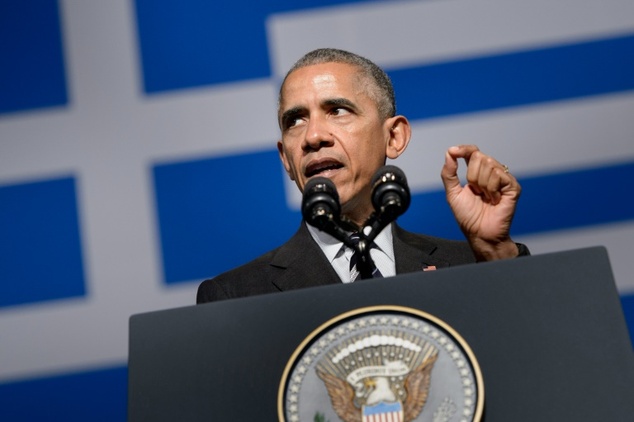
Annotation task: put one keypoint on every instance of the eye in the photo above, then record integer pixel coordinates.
(292, 121)
(340, 111)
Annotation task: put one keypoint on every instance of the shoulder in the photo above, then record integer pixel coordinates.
(262, 275)
(445, 251)
(245, 280)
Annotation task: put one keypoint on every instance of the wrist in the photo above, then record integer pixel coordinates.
(488, 251)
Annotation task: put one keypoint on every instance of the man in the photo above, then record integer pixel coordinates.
(337, 116)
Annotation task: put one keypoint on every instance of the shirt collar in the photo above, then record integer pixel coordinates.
(332, 246)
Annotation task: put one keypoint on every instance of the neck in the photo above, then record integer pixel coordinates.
(357, 212)
(357, 220)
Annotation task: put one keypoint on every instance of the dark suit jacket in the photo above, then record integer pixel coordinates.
(300, 263)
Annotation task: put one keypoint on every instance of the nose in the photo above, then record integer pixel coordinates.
(318, 134)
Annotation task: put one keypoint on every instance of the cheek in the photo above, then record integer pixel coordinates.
(286, 155)
(371, 153)
(295, 168)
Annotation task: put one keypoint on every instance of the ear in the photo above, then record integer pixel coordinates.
(399, 132)
(284, 159)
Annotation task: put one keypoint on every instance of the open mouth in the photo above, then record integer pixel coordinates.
(322, 167)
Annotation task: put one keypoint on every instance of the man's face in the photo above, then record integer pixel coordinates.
(331, 128)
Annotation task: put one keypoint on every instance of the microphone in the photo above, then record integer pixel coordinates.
(320, 203)
(321, 208)
(390, 199)
(390, 193)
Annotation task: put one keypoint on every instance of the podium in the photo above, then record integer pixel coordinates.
(547, 331)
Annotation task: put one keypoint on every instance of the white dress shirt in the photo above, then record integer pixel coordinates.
(339, 254)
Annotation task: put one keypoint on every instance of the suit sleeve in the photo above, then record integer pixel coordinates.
(210, 291)
(522, 250)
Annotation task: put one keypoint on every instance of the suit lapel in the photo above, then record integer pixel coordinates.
(302, 263)
(414, 253)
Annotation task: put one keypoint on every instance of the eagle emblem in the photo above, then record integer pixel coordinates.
(372, 392)
(382, 363)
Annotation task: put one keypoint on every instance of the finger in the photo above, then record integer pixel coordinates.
(474, 173)
(488, 179)
(501, 184)
(449, 172)
(508, 183)
(463, 151)
(486, 176)
(494, 185)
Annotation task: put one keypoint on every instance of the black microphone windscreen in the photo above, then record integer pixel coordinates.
(390, 192)
(391, 171)
(320, 202)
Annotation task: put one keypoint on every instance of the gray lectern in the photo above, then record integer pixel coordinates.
(548, 333)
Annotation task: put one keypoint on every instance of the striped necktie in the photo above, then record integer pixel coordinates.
(356, 256)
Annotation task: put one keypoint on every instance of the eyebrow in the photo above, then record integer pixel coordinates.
(339, 102)
(329, 102)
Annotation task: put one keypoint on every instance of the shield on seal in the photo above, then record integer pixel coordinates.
(383, 412)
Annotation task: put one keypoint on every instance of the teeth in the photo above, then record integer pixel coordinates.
(318, 170)
(325, 168)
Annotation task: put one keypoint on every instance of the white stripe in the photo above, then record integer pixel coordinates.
(531, 140)
(616, 237)
(397, 34)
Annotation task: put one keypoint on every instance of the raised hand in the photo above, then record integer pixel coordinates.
(485, 205)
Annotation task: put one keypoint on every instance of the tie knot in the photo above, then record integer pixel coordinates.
(355, 238)
(361, 259)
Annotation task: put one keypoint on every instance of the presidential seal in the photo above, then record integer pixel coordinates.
(382, 363)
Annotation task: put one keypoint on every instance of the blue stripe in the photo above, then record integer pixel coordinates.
(575, 199)
(97, 396)
(202, 42)
(551, 202)
(194, 213)
(32, 69)
(213, 218)
(520, 78)
(40, 243)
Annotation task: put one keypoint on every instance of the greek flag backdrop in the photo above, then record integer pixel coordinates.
(137, 140)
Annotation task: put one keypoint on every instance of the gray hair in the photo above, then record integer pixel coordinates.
(381, 89)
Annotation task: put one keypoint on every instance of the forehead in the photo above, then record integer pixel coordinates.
(320, 81)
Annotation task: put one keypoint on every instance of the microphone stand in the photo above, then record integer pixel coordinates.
(390, 197)
(365, 264)
(328, 223)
